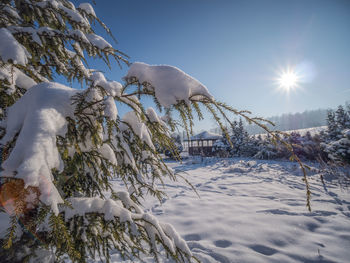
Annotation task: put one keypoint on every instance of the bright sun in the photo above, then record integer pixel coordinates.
(288, 80)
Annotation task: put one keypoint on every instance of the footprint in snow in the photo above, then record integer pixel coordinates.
(192, 237)
(198, 250)
(312, 226)
(267, 251)
(222, 243)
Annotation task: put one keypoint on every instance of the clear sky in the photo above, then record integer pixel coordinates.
(239, 48)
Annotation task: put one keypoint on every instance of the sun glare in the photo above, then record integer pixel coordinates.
(288, 80)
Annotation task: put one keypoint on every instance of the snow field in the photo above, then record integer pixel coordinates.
(254, 211)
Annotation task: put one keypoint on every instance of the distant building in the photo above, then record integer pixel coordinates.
(201, 144)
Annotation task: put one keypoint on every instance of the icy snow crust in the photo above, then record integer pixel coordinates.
(171, 85)
(254, 211)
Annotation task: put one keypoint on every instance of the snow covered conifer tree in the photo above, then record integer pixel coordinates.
(222, 147)
(240, 139)
(338, 145)
(60, 146)
(332, 127)
(342, 118)
(266, 148)
(339, 150)
(347, 123)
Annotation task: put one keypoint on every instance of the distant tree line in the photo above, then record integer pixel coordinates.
(293, 121)
(330, 145)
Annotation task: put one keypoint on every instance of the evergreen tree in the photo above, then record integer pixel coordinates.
(250, 147)
(60, 146)
(332, 128)
(341, 117)
(239, 138)
(222, 147)
(266, 148)
(338, 144)
(347, 123)
(339, 150)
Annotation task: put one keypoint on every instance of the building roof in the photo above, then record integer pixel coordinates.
(206, 136)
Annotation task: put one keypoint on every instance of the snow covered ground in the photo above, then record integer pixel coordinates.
(254, 211)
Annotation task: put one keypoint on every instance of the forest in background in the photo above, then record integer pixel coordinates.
(289, 121)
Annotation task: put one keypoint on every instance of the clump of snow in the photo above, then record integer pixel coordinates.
(153, 116)
(28, 30)
(109, 208)
(79, 34)
(128, 202)
(98, 41)
(16, 78)
(93, 94)
(171, 85)
(39, 116)
(87, 8)
(48, 31)
(74, 15)
(138, 127)
(178, 241)
(114, 88)
(110, 109)
(112, 209)
(11, 50)
(70, 11)
(107, 152)
(45, 4)
(11, 11)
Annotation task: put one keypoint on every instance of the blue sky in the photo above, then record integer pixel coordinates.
(238, 48)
